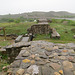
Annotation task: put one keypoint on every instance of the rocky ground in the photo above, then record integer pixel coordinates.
(44, 58)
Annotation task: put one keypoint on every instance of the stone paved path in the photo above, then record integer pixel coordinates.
(44, 58)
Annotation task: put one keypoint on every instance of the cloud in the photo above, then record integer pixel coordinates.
(19, 6)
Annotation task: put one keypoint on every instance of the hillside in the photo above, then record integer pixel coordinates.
(38, 14)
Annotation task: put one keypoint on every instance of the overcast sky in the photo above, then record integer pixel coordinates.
(21, 6)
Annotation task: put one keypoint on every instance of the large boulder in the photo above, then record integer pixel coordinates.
(55, 34)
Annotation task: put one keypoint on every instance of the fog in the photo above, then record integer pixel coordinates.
(21, 6)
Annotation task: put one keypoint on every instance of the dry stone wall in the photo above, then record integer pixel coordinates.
(44, 58)
(40, 29)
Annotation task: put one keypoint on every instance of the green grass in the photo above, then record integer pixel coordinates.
(13, 28)
(21, 28)
(3, 62)
(61, 29)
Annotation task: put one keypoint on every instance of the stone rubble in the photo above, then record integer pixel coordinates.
(44, 58)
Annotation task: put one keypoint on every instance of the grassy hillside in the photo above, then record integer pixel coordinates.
(14, 28)
(63, 29)
(21, 28)
(39, 14)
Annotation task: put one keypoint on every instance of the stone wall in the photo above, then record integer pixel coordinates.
(14, 49)
(40, 29)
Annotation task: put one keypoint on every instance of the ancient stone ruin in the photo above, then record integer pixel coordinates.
(41, 58)
(43, 28)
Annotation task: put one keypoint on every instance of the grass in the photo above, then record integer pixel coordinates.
(21, 28)
(3, 62)
(64, 31)
(5, 42)
(14, 28)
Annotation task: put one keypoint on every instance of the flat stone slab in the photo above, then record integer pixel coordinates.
(25, 39)
(45, 58)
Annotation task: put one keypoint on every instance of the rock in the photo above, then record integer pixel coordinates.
(24, 65)
(10, 71)
(56, 73)
(61, 72)
(72, 54)
(68, 72)
(55, 34)
(32, 56)
(55, 48)
(46, 71)
(55, 66)
(15, 64)
(19, 57)
(48, 49)
(47, 53)
(33, 70)
(37, 58)
(32, 62)
(41, 63)
(67, 65)
(20, 72)
(62, 57)
(26, 54)
(54, 61)
(64, 51)
(26, 74)
(43, 56)
(43, 47)
(26, 61)
(71, 51)
(74, 73)
(51, 56)
(70, 58)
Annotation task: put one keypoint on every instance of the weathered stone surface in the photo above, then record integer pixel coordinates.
(19, 38)
(62, 57)
(46, 71)
(24, 65)
(55, 66)
(52, 59)
(40, 29)
(20, 72)
(56, 73)
(51, 56)
(25, 54)
(41, 63)
(67, 65)
(55, 47)
(15, 64)
(55, 34)
(10, 71)
(43, 57)
(33, 70)
(47, 53)
(49, 48)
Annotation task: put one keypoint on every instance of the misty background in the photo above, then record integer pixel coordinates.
(22, 6)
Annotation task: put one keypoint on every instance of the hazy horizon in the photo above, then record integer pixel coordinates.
(22, 6)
